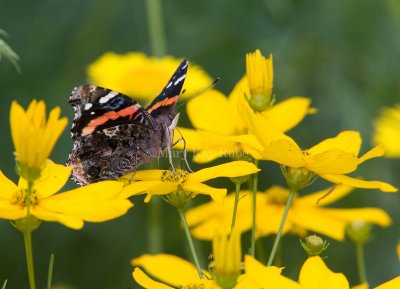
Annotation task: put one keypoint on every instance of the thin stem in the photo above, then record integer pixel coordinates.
(50, 273)
(360, 263)
(27, 232)
(156, 27)
(237, 191)
(190, 241)
(29, 255)
(154, 234)
(253, 226)
(279, 234)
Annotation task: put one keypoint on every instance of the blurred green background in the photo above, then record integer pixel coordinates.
(345, 55)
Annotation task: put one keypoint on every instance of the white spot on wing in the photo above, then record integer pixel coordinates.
(108, 96)
(169, 84)
(186, 64)
(180, 79)
(88, 106)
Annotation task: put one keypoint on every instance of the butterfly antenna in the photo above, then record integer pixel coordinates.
(198, 93)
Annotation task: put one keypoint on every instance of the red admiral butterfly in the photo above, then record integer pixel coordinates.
(114, 134)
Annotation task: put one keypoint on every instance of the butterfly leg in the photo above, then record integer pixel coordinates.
(184, 151)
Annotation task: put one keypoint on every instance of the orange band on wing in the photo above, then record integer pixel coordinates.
(110, 115)
(165, 102)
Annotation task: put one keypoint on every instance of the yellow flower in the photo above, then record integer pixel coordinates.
(306, 214)
(221, 125)
(182, 184)
(227, 257)
(94, 203)
(259, 77)
(34, 137)
(259, 276)
(331, 159)
(143, 77)
(315, 274)
(174, 272)
(392, 284)
(387, 131)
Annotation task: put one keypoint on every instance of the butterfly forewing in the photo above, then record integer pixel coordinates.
(114, 134)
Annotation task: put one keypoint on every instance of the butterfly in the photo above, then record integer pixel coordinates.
(113, 134)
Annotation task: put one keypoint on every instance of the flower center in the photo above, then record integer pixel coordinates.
(178, 175)
(20, 198)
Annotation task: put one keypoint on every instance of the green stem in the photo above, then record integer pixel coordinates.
(279, 234)
(50, 273)
(254, 207)
(190, 241)
(156, 27)
(29, 255)
(27, 232)
(360, 263)
(154, 235)
(237, 191)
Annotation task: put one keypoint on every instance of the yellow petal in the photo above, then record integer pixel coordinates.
(322, 198)
(361, 286)
(288, 113)
(211, 111)
(52, 179)
(317, 221)
(194, 140)
(348, 141)
(105, 190)
(207, 155)
(146, 282)
(377, 151)
(284, 152)
(267, 277)
(10, 211)
(370, 215)
(315, 275)
(332, 162)
(137, 188)
(168, 268)
(7, 188)
(52, 216)
(199, 188)
(232, 169)
(392, 284)
(148, 175)
(357, 183)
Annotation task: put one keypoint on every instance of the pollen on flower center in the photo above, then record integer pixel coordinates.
(178, 175)
(20, 197)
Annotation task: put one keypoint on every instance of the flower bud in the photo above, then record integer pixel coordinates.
(314, 245)
(227, 256)
(359, 231)
(298, 178)
(259, 74)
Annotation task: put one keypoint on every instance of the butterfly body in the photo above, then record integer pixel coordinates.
(113, 134)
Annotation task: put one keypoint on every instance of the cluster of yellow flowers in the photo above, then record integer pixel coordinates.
(249, 127)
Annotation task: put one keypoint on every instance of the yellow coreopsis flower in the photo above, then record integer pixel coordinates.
(143, 77)
(222, 128)
(179, 186)
(307, 213)
(331, 159)
(34, 137)
(387, 131)
(94, 203)
(174, 272)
